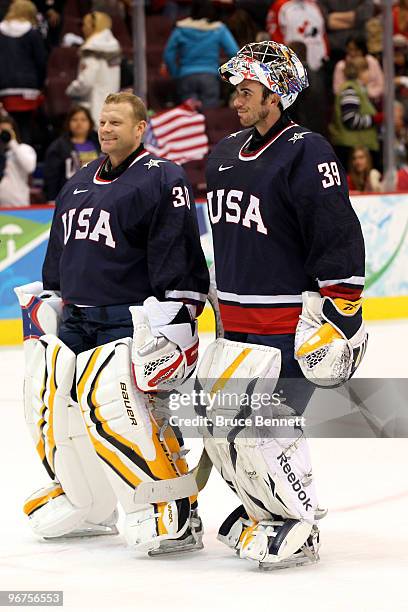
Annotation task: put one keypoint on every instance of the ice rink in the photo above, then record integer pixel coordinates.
(364, 554)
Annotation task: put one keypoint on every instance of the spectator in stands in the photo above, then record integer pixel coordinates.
(374, 36)
(242, 27)
(77, 146)
(23, 64)
(355, 118)
(303, 110)
(401, 135)
(301, 21)
(401, 71)
(4, 6)
(400, 18)
(357, 47)
(51, 12)
(362, 176)
(20, 161)
(192, 54)
(401, 179)
(99, 67)
(344, 18)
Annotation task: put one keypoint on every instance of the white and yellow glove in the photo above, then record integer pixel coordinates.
(330, 339)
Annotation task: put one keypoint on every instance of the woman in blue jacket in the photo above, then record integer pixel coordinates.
(192, 54)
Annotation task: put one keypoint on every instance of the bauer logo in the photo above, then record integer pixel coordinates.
(126, 401)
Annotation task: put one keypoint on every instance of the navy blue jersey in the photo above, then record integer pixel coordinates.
(120, 241)
(282, 224)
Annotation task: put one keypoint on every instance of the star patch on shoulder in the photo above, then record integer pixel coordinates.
(154, 163)
(297, 136)
(234, 134)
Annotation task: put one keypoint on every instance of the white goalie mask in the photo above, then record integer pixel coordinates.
(274, 65)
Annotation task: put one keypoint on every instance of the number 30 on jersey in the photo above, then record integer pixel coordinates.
(181, 196)
(330, 173)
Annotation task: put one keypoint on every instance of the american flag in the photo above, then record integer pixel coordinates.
(177, 134)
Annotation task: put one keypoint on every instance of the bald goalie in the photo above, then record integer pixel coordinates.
(111, 325)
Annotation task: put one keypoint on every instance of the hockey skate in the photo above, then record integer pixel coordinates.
(191, 540)
(233, 528)
(280, 544)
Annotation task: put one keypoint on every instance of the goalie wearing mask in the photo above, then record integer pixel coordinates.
(289, 265)
(113, 323)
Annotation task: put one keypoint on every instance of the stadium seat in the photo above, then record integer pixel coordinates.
(158, 30)
(63, 63)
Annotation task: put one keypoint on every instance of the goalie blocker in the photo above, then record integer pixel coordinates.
(165, 344)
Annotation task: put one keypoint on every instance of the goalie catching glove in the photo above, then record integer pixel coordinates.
(330, 339)
(165, 344)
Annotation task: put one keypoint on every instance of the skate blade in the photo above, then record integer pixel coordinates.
(167, 547)
(287, 563)
(85, 533)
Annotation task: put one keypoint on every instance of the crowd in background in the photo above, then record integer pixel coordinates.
(339, 42)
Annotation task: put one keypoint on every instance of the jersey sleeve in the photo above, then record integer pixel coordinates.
(330, 229)
(50, 270)
(176, 264)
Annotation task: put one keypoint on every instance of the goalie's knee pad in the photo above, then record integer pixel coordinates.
(142, 459)
(271, 475)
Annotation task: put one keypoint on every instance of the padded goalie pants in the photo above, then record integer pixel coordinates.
(292, 384)
(83, 328)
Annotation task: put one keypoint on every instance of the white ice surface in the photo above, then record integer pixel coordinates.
(364, 555)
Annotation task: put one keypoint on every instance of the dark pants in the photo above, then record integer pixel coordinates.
(292, 385)
(202, 86)
(85, 328)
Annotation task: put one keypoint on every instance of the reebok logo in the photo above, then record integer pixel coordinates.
(80, 191)
(295, 482)
(222, 168)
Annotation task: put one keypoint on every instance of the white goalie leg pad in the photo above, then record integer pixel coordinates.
(271, 475)
(140, 458)
(81, 492)
(52, 515)
(165, 344)
(39, 317)
(283, 467)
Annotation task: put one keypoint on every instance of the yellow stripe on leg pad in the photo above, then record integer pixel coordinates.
(32, 505)
(227, 374)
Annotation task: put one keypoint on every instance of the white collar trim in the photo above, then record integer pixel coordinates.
(256, 154)
(99, 181)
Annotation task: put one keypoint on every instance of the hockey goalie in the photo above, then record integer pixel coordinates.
(109, 331)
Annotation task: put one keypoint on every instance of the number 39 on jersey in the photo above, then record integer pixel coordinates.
(331, 174)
